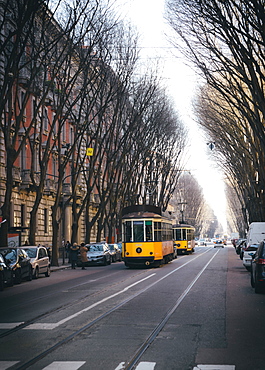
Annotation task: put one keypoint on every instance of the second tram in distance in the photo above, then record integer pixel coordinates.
(184, 240)
(147, 238)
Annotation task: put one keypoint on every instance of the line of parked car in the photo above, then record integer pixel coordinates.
(101, 253)
(253, 257)
(23, 263)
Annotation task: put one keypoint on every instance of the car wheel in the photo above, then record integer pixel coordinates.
(29, 278)
(18, 276)
(48, 272)
(11, 282)
(109, 261)
(36, 274)
(105, 262)
(252, 282)
(258, 288)
(2, 282)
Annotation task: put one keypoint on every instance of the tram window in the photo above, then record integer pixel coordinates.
(157, 230)
(184, 231)
(148, 231)
(177, 235)
(128, 231)
(138, 231)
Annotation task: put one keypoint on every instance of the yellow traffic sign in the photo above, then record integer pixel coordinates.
(89, 151)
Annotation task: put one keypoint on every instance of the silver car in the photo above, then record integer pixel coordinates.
(39, 260)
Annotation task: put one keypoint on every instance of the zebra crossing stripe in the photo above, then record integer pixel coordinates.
(65, 365)
(142, 366)
(146, 366)
(214, 367)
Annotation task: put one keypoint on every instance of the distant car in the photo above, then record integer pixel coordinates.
(39, 260)
(202, 242)
(6, 274)
(115, 252)
(248, 254)
(98, 253)
(218, 243)
(18, 260)
(258, 269)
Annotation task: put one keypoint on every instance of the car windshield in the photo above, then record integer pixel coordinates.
(31, 252)
(111, 247)
(96, 248)
(10, 255)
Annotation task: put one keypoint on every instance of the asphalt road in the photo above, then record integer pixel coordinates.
(198, 312)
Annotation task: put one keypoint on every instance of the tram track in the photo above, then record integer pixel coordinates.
(131, 363)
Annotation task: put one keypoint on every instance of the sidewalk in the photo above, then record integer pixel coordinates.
(61, 265)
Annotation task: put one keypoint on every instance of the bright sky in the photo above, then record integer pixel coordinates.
(181, 81)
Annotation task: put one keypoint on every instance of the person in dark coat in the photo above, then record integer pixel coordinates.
(83, 254)
(73, 254)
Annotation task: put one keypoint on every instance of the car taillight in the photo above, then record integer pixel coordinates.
(261, 261)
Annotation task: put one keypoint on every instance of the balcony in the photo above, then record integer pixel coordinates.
(50, 187)
(26, 181)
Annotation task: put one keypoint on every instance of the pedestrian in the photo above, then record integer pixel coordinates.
(73, 254)
(83, 254)
(67, 249)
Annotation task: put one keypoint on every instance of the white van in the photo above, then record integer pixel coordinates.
(256, 233)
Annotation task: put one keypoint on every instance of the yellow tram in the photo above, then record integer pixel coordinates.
(183, 236)
(146, 236)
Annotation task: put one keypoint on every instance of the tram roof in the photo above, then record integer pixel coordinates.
(183, 225)
(142, 215)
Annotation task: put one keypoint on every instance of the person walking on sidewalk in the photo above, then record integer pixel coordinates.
(83, 254)
(73, 254)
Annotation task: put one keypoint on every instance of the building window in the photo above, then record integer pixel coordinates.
(23, 157)
(23, 211)
(46, 220)
(45, 120)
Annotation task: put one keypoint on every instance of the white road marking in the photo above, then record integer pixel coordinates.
(10, 325)
(7, 364)
(142, 366)
(214, 367)
(146, 366)
(65, 365)
(120, 366)
(50, 326)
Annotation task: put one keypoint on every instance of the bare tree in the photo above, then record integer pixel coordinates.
(225, 40)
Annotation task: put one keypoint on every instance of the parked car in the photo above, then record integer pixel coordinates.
(18, 260)
(98, 253)
(258, 269)
(39, 260)
(6, 274)
(239, 244)
(248, 254)
(115, 252)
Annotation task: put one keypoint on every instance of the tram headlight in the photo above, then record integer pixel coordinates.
(138, 250)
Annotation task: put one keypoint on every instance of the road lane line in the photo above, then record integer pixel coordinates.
(7, 364)
(50, 326)
(10, 325)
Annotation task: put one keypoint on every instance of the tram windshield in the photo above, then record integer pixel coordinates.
(146, 230)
